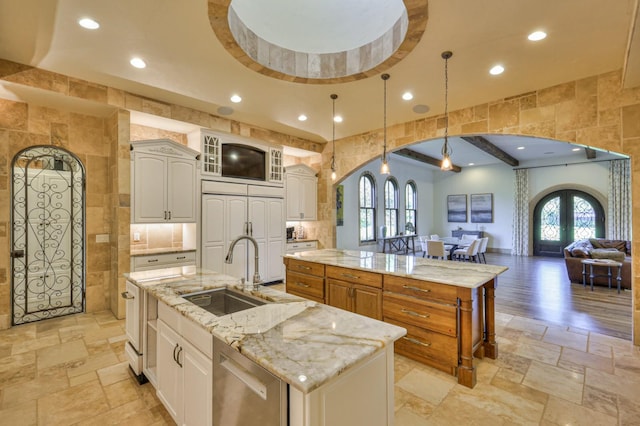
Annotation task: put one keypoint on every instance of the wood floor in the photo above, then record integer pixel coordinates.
(538, 288)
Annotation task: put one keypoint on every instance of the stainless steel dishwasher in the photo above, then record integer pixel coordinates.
(245, 394)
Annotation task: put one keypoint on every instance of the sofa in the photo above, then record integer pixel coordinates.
(598, 248)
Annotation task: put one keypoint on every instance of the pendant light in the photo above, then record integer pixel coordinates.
(384, 169)
(446, 149)
(333, 138)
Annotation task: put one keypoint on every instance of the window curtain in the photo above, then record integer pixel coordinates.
(520, 232)
(619, 209)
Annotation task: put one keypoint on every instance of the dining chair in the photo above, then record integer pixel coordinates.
(435, 250)
(469, 253)
(467, 238)
(422, 240)
(482, 249)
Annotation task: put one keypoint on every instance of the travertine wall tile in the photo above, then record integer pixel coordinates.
(504, 114)
(631, 120)
(557, 94)
(86, 90)
(536, 115)
(13, 115)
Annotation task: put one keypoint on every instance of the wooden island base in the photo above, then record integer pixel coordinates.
(448, 325)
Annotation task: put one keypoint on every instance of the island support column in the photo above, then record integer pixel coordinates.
(477, 329)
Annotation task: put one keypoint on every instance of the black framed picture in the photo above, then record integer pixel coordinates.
(481, 208)
(457, 208)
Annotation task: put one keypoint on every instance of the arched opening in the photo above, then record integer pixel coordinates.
(564, 216)
(47, 235)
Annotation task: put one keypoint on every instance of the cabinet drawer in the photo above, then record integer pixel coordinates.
(421, 289)
(432, 348)
(355, 276)
(305, 246)
(432, 316)
(310, 268)
(164, 259)
(305, 285)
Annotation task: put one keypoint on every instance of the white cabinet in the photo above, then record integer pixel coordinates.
(163, 182)
(302, 188)
(166, 260)
(230, 210)
(185, 368)
(213, 163)
(296, 246)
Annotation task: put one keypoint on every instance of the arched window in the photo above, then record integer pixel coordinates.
(367, 210)
(391, 206)
(410, 207)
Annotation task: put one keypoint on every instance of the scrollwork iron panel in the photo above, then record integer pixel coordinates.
(48, 234)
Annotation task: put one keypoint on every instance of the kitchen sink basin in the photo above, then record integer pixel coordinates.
(223, 301)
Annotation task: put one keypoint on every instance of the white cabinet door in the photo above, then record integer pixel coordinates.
(181, 191)
(132, 320)
(224, 218)
(169, 371)
(198, 386)
(308, 197)
(150, 188)
(294, 185)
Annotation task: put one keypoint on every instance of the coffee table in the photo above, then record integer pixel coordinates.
(599, 263)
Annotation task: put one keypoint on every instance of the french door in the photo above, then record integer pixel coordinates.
(565, 216)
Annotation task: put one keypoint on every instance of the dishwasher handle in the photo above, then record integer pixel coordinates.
(244, 376)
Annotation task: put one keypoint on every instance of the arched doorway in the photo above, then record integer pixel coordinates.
(562, 217)
(48, 234)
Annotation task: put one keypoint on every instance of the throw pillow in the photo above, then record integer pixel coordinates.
(607, 253)
(580, 252)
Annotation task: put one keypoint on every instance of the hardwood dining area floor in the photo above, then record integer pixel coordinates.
(539, 288)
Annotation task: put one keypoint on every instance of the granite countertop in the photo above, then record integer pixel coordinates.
(168, 250)
(302, 342)
(460, 274)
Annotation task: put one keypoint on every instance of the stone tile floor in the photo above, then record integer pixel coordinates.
(71, 371)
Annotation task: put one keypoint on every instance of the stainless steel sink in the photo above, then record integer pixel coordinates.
(223, 301)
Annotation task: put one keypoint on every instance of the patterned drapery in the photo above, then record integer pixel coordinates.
(520, 232)
(619, 210)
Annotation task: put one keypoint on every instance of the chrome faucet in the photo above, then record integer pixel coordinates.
(229, 258)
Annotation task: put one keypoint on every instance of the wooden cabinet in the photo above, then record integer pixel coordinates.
(230, 210)
(355, 291)
(185, 372)
(165, 260)
(305, 279)
(429, 312)
(163, 182)
(302, 187)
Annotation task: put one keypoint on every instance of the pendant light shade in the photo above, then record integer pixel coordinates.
(446, 164)
(333, 138)
(384, 168)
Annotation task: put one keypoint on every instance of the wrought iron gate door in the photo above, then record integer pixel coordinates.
(48, 234)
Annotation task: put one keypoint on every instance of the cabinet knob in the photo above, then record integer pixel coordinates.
(126, 295)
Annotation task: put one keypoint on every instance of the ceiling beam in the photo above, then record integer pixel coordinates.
(590, 153)
(486, 146)
(414, 155)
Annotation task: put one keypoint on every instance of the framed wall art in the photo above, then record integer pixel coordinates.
(481, 208)
(457, 208)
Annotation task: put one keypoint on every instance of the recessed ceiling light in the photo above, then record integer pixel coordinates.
(337, 119)
(498, 69)
(537, 36)
(472, 164)
(302, 117)
(420, 109)
(407, 96)
(89, 24)
(575, 149)
(138, 63)
(235, 99)
(521, 147)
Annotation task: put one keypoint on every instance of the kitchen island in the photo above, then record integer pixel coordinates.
(447, 307)
(338, 366)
